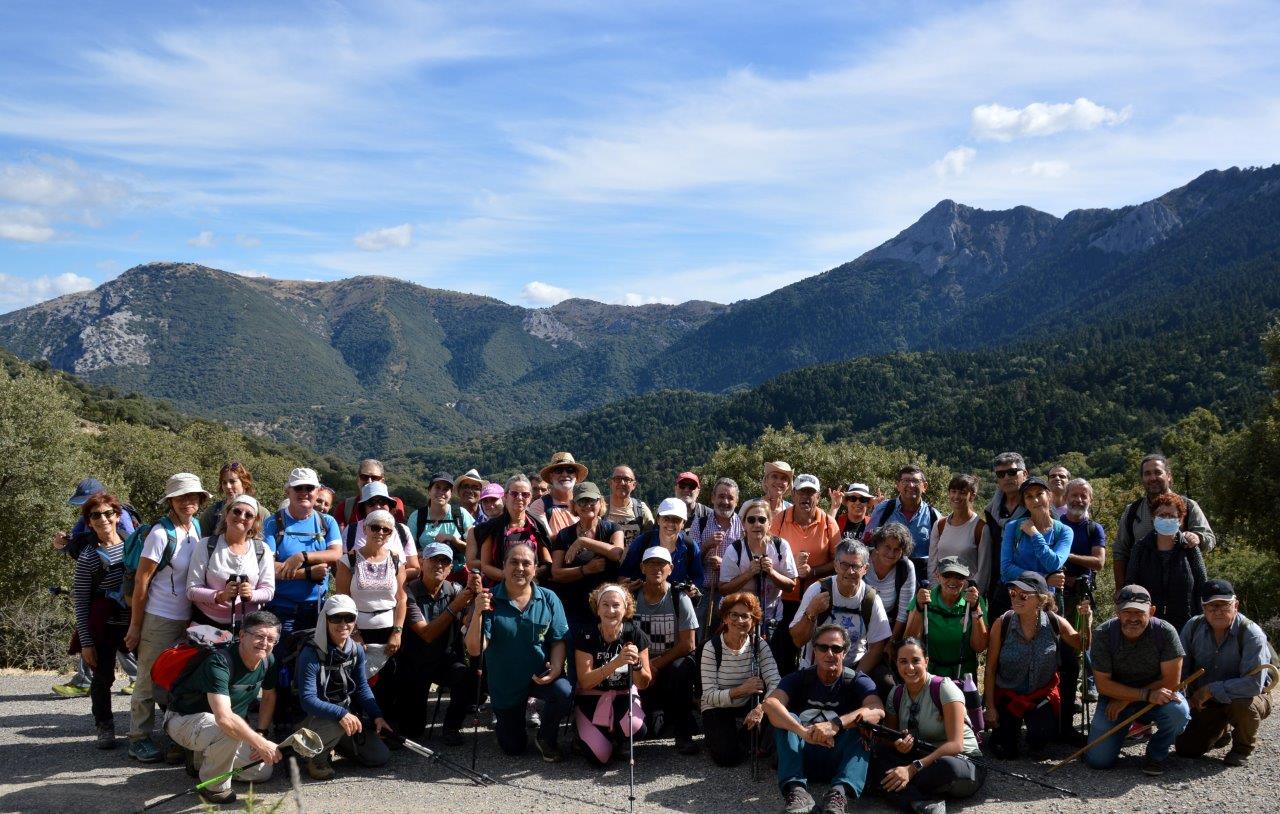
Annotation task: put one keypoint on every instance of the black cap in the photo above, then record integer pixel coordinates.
(441, 476)
(1034, 481)
(1031, 581)
(1133, 596)
(1216, 590)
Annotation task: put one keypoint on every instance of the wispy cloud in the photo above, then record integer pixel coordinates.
(203, 240)
(49, 190)
(392, 237)
(955, 162)
(1002, 123)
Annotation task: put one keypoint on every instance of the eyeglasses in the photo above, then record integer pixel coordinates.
(850, 566)
(367, 477)
(856, 499)
(1007, 473)
(622, 479)
(520, 495)
(243, 514)
(1017, 595)
(342, 618)
(735, 616)
(830, 648)
(756, 520)
(269, 638)
(107, 513)
(377, 529)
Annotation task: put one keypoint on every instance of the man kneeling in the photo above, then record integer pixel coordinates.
(814, 712)
(207, 714)
(332, 680)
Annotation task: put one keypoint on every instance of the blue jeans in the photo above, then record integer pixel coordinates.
(1170, 719)
(558, 698)
(845, 763)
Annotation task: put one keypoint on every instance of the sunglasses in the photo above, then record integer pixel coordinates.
(830, 648)
(1015, 594)
(1007, 473)
(304, 490)
(377, 529)
(107, 513)
(588, 503)
(856, 499)
(243, 514)
(565, 470)
(686, 484)
(367, 477)
(342, 618)
(756, 520)
(520, 495)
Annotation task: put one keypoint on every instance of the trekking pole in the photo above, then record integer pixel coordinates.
(755, 734)
(1135, 716)
(475, 718)
(478, 778)
(304, 742)
(924, 618)
(925, 747)
(631, 744)
(1086, 716)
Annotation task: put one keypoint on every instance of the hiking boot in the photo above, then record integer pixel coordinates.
(320, 767)
(452, 737)
(127, 689)
(70, 690)
(834, 801)
(218, 798)
(550, 750)
(797, 800)
(685, 745)
(144, 751)
(106, 735)
(531, 717)
(1223, 740)
(1234, 758)
(174, 754)
(1152, 767)
(929, 807)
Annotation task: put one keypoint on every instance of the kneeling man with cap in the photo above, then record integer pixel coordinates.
(1238, 677)
(1137, 660)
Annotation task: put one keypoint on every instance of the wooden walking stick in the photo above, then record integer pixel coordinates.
(1135, 716)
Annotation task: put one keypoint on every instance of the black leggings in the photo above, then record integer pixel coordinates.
(109, 641)
(403, 690)
(1042, 727)
(672, 692)
(728, 741)
(952, 778)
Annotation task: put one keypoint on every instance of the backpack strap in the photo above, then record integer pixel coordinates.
(351, 537)
(896, 698)
(718, 647)
(736, 545)
(887, 511)
(419, 523)
(867, 607)
(1131, 520)
(935, 692)
(279, 527)
(171, 542)
(456, 513)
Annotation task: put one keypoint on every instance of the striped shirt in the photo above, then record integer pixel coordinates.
(99, 571)
(735, 668)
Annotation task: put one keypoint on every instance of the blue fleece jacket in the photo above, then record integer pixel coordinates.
(1042, 553)
(312, 696)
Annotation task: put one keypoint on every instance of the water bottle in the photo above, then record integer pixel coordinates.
(973, 702)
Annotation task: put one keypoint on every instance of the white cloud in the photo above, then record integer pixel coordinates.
(19, 292)
(24, 226)
(248, 241)
(631, 298)
(955, 162)
(1000, 123)
(202, 240)
(250, 273)
(49, 190)
(392, 237)
(539, 293)
(1049, 169)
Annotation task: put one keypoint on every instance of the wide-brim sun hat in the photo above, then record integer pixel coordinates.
(562, 459)
(183, 483)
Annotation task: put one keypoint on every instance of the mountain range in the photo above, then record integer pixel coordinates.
(938, 335)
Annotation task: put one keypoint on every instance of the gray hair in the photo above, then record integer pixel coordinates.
(1009, 458)
(517, 478)
(832, 627)
(261, 618)
(892, 531)
(1088, 487)
(751, 504)
(730, 482)
(374, 462)
(855, 548)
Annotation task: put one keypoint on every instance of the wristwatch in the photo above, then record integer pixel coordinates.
(397, 628)
(917, 765)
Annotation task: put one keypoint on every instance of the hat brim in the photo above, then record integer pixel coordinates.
(771, 468)
(546, 470)
(1025, 586)
(857, 494)
(78, 500)
(1219, 598)
(182, 492)
(455, 484)
(1134, 604)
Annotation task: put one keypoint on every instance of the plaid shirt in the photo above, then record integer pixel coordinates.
(733, 533)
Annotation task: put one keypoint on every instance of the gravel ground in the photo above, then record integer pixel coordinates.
(47, 743)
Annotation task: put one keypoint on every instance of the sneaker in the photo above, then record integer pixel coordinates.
(218, 798)
(127, 689)
(452, 737)
(550, 750)
(531, 717)
(320, 767)
(797, 800)
(1153, 767)
(834, 801)
(1223, 741)
(106, 735)
(70, 690)
(929, 807)
(1234, 758)
(685, 745)
(144, 751)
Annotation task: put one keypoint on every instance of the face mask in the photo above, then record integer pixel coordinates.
(1167, 526)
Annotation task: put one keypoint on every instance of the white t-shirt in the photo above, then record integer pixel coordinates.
(890, 589)
(167, 593)
(846, 612)
(731, 568)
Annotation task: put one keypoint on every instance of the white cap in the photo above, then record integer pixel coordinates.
(656, 553)
(673, 507)
(372, 489)
(303, 476)
(339, 603)
(860, 489)
(803, 482)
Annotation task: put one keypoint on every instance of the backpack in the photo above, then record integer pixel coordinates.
(1054, 625)
(738, 547)
(979, 529)
(1270, 655)
(279, 535)
(827, 586)
(211, 542)
(133, 553)
(420, 523)
(892, 503)
(717, 647)
(495, 529)
(350, 536)
(178, 663)
(351, 561)
(935, 693)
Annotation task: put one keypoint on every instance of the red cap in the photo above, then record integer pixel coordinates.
(688, 476)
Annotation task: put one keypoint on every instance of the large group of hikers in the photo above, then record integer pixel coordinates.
(841, 645)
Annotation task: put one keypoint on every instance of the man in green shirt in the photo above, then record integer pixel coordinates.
(209, 707)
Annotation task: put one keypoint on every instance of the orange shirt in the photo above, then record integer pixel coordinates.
(818, 538)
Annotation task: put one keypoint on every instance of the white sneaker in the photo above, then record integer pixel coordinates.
(531, 716)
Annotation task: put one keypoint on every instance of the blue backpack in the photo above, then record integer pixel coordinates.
(133, 553)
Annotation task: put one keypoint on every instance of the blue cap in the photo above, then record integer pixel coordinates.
(86, 489)
(436, 549)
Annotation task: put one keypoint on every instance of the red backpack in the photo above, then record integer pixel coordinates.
(176, 664)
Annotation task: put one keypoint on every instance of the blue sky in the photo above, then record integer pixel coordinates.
(626, 152)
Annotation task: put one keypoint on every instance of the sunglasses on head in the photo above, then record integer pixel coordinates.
(756, 520)
(830, 648)
(107, 513)
(243, 514)
(1007, 473)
